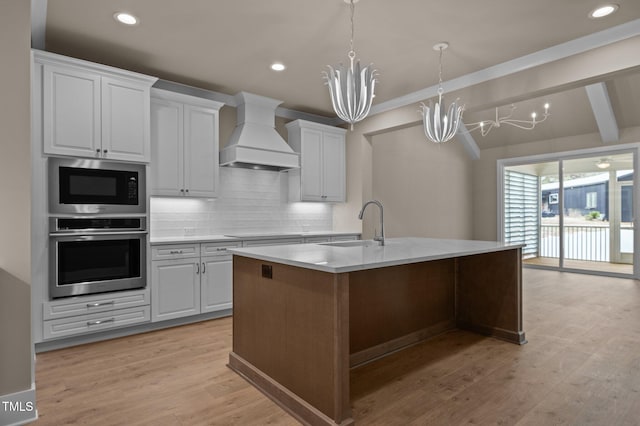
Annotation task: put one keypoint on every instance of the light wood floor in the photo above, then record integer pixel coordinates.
(618, 268)
(581, 366)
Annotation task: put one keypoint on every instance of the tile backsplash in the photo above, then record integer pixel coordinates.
(248, 201)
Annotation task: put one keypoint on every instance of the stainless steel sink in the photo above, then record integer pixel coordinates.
(356, 243)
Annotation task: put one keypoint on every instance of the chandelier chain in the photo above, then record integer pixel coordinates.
(352, 8)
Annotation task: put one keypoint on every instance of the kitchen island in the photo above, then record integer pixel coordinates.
(304, 315)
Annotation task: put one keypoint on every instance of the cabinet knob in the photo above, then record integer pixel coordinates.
(104, 152)
(187, 191)
(182, 190)
(98, 150)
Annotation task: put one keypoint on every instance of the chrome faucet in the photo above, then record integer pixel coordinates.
(380, 238)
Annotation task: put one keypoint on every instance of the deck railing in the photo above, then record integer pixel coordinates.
(589, 243)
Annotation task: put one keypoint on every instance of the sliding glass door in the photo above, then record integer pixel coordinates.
(574, 213)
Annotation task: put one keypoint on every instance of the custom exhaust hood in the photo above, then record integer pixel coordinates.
(255, 143)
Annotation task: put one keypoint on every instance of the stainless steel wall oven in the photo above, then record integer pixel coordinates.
(96, 254)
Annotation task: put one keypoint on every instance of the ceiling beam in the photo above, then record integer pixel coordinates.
(603, 112)
(38, 23)
(468, 142)
(523, 63)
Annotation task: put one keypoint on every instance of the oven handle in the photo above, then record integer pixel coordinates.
(94, 234)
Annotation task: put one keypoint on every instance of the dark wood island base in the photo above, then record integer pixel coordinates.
(297, 334)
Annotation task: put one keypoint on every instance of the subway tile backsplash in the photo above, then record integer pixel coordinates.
(248, 201)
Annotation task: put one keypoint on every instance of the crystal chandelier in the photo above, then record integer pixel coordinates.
(485, 126)
(352, 87)
(441, 126)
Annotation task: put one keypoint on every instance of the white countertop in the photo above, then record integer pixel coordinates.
(244, 236)
(347, 257)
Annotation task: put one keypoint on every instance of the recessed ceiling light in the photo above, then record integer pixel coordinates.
(602, 11)
(277, 66)
(125, 18)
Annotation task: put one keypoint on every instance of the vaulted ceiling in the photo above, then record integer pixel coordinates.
(227, 46)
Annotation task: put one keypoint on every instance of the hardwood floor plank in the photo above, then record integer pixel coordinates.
(581, 366)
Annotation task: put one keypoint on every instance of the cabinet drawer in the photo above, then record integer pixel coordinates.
(74, 306)
(82, 324)
(218, 249)
(175, 251)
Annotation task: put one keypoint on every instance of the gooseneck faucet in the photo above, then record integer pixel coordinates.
(380, 238)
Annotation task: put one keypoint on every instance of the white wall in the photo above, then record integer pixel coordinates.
(15, 193)
(425, 187)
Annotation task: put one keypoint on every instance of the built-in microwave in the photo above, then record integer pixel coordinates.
(96, 187)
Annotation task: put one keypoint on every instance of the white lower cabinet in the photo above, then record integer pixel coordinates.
(86, 314)
(175, 288)
(217, 284)
(189, 279)
(65, 327)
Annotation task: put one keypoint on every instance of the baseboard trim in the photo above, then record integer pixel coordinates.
(300, 409)
(517, 337)
(24, 407)
(383, 349)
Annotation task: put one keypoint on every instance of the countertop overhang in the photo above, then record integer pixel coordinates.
(348, 258)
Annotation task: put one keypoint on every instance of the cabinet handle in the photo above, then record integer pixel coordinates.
(175, 252)
(197, 268)
(221, 249)
(324, 196)
(98, 322)
(204, 269)
(98, 304)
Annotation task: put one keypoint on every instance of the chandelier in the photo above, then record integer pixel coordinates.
(440, 125)
(351, 88)
(485, 126)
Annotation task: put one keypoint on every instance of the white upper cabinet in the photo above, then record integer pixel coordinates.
(125, 121)
(93, 111)
(71, 111)
(184, 145)
(322, 173)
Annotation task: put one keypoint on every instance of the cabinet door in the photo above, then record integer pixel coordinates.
(125, 120)
(217, 283)
(175, 288)
(167, 147)
(201, 151)
(311, 167)
(71, 112)
(333, 167)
